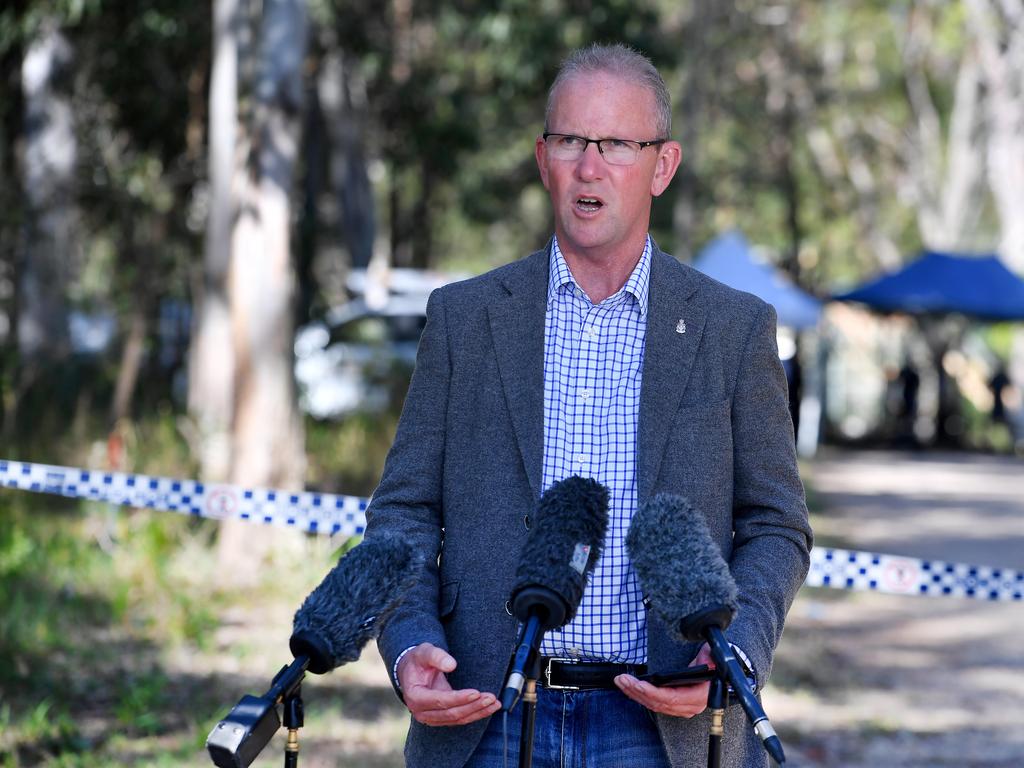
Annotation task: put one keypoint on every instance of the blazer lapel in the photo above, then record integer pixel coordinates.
(675, 324)
(517, 329)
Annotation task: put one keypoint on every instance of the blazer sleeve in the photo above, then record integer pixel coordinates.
(408, 501)
(771, 534)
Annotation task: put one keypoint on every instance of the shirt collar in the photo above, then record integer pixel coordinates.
(637, 285)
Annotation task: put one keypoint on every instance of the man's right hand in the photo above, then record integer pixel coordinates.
(428, 694)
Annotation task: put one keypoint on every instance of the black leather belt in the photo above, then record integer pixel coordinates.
(571, 675)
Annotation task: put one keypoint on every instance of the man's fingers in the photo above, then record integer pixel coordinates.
(480, 707)
(425, 666)
(704, 657)
(679, 701)
(429, 695)
(429, 655)
(438, 658)
(422, 698)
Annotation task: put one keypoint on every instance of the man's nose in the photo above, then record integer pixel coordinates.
(591, 163)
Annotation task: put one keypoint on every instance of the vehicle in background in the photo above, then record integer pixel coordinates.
(360, 356)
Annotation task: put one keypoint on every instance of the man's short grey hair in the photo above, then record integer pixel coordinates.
(621, 61)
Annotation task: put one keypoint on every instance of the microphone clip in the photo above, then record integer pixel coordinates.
(250, 725)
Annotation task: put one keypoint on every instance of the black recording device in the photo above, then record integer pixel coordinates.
(688, 582)
(560, 552)
(330, 628)
(699, 673)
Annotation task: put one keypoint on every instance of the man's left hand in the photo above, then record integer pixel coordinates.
(678, 701)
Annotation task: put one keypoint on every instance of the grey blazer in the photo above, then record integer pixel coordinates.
(465, 470)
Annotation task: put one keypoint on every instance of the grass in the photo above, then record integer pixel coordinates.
(119, 646)
(120, 643)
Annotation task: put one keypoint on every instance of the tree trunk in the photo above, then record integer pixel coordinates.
(344, 116)
(49, 241)
(267, 437)
(698, 51)
(131, 364)
(422, 229)
(211, 363)
(947, 168)
(997, 30)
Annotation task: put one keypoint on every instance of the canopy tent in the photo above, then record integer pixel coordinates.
(942, 283)
(730, 259)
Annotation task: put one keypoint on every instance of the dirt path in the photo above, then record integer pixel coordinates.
(864, 679)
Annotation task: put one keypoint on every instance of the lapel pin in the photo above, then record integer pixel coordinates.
(681, 326)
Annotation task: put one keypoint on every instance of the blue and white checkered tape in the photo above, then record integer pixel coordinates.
(346, 515)
(313, 512)
(869, 571)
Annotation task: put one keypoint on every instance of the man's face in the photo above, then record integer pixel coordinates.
(603, 210)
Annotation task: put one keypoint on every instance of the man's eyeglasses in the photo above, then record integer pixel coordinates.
(565, 146)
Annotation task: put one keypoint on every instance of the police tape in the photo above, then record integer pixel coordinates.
(334, 514)
(891, 574)
(311, 512)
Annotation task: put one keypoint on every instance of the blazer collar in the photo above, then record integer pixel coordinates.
(517, 329)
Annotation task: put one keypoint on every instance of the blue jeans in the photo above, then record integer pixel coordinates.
(577, 729)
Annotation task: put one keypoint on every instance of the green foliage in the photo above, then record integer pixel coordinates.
(140, 701)
(447, 100)
(112, 607)
(348, 457)
(44, 729)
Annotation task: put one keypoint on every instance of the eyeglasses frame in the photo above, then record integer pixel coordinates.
(587, 142)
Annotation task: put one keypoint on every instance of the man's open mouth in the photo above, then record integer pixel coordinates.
(589, 204)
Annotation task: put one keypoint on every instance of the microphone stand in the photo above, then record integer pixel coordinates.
(521, 686)
(529, 713)
(293, 720)
(542, 609)
(287, 689)
(239, 738)
(729, 671)
(718, 698)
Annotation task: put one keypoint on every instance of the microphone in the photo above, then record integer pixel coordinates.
(682, 571)
(330, 628)
(342, 614)
(560, 553)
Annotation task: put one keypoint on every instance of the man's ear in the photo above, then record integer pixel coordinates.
(669, 156)
(540, 149)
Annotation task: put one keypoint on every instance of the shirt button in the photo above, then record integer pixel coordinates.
(581, 458)
(586, 394)
(589, 332)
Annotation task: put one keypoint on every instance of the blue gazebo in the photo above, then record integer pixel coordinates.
(945, 283)
(937, 285)
(730, 260)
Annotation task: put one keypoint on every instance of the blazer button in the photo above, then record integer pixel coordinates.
(508, 607)
(526, 521)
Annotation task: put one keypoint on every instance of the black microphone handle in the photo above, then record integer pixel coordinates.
(287, 681)
(529, 644)
(726, 660)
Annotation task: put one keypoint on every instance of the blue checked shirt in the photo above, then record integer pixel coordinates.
(593, 362)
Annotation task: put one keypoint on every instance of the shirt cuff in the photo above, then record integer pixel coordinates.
(394, 669)
(745, 665)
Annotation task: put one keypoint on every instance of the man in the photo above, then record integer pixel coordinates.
(604, 357)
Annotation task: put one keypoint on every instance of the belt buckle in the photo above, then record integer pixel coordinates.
(547, 675)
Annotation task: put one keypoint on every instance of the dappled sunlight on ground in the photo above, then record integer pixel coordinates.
(865, 679)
